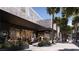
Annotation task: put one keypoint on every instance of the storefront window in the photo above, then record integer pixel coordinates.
(24, 35)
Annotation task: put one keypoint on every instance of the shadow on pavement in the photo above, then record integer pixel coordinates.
(69, 50)
(76, 43)
(26, 50)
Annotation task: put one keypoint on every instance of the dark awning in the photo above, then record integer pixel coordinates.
(7, 17)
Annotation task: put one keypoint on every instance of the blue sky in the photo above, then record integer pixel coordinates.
(43, 13)
(70, 21)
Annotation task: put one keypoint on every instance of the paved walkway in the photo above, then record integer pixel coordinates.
(55, 47)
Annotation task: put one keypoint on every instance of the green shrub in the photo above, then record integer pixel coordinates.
(44, 42)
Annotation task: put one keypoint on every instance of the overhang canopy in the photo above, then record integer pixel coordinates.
(15, 20)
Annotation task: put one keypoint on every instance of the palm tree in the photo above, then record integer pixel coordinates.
(64, 28)
(70, 11)
(75, 27)
(75, 21)
(63, 25)
(52, 11)
(58, 22)
(69, 29)
(66, 12)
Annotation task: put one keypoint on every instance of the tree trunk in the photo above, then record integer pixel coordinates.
(52, 32)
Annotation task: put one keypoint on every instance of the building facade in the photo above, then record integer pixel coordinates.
(23, 24)
(20, 24)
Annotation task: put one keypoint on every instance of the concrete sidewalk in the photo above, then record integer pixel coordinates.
(55, 47)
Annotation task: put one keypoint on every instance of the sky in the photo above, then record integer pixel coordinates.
(43, 13)
(70, 21)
